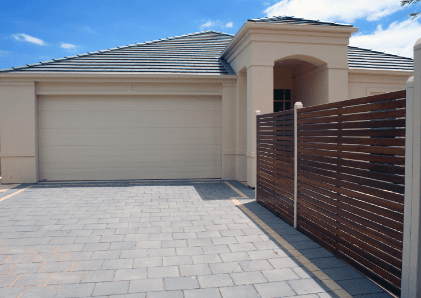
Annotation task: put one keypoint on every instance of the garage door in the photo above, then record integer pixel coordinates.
(111, 138)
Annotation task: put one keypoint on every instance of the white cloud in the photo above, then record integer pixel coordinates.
(4, 53)
(334, 10)
(28, 38)
(69, 47)
(217, 24)
(398, 38)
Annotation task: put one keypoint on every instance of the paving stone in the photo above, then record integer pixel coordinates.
(215, 249)
(161, 252)
(60, 278)
(257, 265)
(76, 290)
(32, 279)
(197, 269)
(39, 292)
(242, 247)
(200, 259)
(166, 294)
(111, 288)
(229, 267)
(284, 263)
(262, 254)
(106, 255)
(239, 291)
(342, 273)
(307, 286)
(199, 242)
(87, 265)
(118, 264)
(147, 285)
(147, 262)
(98, 276)
(189, 251)
(323, 263)
(280, 274)
(134, 253)
(181, 283)
(203, 293)
(11, 292)
(215, 281)
(26, 268)
(159, 272)
(245, 278)
(235, 257)
(359, 286)
(177, 260)
(78, 256)
(174, 243)
(130, 274)
(274, 289)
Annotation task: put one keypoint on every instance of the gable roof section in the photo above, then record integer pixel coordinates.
(296, 21)
(196, 53)
(364, 58)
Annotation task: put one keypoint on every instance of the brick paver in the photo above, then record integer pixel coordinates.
(163, 239)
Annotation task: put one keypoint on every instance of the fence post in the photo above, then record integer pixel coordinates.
(298, 105)
(411, 255)
(255, 178)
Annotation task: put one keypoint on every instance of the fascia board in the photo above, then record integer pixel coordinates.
(402, 73)
(144, 77)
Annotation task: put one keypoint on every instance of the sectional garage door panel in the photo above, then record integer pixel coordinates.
(107, 138)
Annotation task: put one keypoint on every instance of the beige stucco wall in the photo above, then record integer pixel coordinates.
(19, 149)
(370, 82)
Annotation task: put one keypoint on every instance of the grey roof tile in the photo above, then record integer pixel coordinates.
(364, 58)
(195, 53)
(296, 21)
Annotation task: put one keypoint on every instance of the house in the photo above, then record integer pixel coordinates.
(179, 107)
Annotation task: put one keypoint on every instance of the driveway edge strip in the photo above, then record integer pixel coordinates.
(323, 277)
(15, 193)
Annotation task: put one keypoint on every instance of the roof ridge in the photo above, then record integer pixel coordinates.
(280, 18)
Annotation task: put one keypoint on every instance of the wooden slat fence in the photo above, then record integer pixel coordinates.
(351, 159)
(275, 163)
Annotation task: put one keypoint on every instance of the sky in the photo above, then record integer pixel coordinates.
(37, 30)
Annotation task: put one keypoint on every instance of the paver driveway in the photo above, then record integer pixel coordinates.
(166, 239)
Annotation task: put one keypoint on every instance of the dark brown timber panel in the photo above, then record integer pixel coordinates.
(275, 163)
(351, 158)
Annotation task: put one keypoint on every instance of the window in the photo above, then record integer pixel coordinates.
(282, 100)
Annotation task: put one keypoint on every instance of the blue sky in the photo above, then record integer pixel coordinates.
(34, 31)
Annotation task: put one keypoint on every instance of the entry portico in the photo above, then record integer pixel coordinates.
(311, 61)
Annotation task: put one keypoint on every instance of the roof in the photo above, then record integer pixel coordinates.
(195, 53)
(364, 58)
(296, 21)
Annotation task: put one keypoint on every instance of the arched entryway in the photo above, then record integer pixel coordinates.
(299, 79)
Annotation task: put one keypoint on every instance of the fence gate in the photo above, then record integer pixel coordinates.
(351, 159)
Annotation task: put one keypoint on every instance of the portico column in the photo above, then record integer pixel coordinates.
(259, 97)
(229, 152)
(337, 85)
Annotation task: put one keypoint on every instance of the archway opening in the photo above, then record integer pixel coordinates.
(297, 80)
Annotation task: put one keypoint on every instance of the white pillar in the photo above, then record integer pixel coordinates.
(259, 97)
(241, 125)
(229, 151)
(411, 259)
(298, 105)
